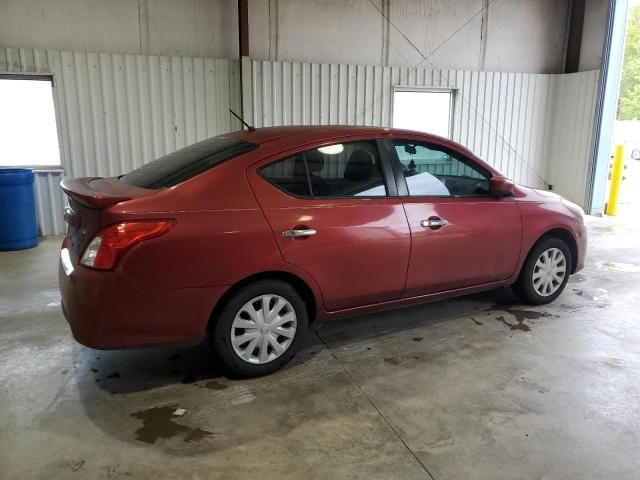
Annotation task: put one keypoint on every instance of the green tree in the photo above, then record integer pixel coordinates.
(629, 102)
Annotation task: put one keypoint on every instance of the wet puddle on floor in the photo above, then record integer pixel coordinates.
(520, 315)
(158, 422)
(515, 326)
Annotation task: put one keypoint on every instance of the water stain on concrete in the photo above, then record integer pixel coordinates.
(519, 325)
(212, 385)
(520, 315)
(197, 434)
(75, 466)
(157, 422)
(620, 267)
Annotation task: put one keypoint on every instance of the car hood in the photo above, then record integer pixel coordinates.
(536, 193)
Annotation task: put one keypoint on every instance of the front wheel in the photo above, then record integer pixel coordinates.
(260, 329)
(545, 273)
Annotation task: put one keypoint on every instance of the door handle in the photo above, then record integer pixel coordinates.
(302, 232)
(434, 222)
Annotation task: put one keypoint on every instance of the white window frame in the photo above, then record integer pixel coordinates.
(43, 77)
(452, 101)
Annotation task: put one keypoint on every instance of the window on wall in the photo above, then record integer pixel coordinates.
(333, 171)
(433, 171)
(423, 110)
(28, 133)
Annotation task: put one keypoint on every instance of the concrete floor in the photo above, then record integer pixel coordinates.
(474, 388)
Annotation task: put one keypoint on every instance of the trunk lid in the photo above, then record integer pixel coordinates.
(88, 197)
(98, 192)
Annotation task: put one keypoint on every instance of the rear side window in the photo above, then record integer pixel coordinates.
(335, 171)
(186, 163)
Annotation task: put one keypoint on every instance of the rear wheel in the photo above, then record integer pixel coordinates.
(545, 273)
(260, 329)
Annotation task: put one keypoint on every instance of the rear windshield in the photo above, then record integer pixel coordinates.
(186, 163)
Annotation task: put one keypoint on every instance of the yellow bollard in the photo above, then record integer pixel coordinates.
(616, 180)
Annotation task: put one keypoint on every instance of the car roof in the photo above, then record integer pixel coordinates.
(316, 132)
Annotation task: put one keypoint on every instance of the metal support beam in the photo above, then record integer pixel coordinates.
(243, 28)
(612, 55)
(243, 48)
(574, 39)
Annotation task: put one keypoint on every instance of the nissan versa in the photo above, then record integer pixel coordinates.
(247, 237)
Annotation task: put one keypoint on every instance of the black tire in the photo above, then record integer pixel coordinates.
(524, 287)
(220, 335)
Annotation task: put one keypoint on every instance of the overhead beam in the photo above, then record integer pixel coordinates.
(574, 39)
(243, 28)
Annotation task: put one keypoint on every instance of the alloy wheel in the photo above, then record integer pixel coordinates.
(549, 272)
(263, 329)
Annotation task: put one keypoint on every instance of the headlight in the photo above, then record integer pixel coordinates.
(576, 209)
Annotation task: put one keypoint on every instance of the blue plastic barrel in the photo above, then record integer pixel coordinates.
(18, 226)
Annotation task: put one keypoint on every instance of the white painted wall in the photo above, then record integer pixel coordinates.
(189, 28)
(512, 35)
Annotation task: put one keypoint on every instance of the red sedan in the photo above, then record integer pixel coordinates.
(247, 237)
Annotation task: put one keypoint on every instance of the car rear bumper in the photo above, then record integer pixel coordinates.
(107, 310)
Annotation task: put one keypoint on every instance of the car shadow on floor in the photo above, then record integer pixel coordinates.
(128, 371)
(180, 398)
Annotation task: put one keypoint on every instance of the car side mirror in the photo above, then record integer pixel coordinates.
(500, 186)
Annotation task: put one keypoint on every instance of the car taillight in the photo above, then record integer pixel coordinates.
(112, 242)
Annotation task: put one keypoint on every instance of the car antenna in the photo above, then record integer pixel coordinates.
(249, 127)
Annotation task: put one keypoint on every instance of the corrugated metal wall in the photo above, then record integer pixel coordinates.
(116, 112)
(570, 132)
(50, 201)
(500, 116)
